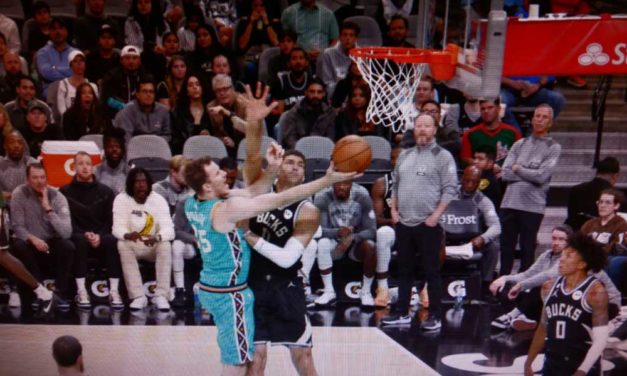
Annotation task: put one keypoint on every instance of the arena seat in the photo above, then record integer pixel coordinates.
(315, 147)
(204, 146)
(241, 149)
(150, 152)
(51, 99)
(97, 138)
(380, 147)
(264, 60)
(370, 34)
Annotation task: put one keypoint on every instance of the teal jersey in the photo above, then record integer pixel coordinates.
(225, 257)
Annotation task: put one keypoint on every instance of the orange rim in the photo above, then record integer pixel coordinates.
(401, 54)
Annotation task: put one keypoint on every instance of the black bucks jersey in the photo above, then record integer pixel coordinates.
(387, 195)
(569, 324)
(275, 227)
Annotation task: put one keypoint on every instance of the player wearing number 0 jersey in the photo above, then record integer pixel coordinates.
(574, 327)
(284, 235)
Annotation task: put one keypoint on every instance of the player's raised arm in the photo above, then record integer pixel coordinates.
(256, 111)
(227, 214)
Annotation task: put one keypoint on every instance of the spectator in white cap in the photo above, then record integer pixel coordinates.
(120, 83)
(67, 87)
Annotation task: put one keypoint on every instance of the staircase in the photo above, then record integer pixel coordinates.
(576, 132)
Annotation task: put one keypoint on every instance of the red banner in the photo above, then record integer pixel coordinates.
(577, 45)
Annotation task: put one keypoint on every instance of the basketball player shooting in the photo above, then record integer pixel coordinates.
(216, 214)
(573, 329)
(280, 237)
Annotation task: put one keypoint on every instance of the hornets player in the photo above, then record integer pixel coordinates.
(216, 214)
(574, 327)
(280, 308)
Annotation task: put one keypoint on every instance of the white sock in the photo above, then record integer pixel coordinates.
(179, 280)
(114, 284)
(42, 292)
(327, 281)
(366, 284)
(382, 283)
(80, 284)
(309, 257)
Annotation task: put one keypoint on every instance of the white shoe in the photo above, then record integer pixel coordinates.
(161, 303)
(115, 300)
(14, 300)
(367, 300)
(138, 303)
(327, 298)
(82, 299)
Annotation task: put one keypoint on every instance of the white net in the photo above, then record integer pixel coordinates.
(393, 87)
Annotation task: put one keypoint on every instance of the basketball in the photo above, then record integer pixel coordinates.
(351, 153)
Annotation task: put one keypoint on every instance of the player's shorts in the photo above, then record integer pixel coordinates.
(281, 313)
(232, 313)
(559, 364)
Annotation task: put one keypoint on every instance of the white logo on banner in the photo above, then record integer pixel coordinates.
(594, 55)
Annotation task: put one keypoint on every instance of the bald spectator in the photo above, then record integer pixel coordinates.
(13, 164)
(4, 49)
(18, 108)
(68, 354)
(11, 78)
(53, 59)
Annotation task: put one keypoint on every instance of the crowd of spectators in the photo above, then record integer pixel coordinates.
(160, 74)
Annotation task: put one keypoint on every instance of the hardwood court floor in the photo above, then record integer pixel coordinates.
(192, 350)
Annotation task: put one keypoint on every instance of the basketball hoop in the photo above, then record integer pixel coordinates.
(393, 74)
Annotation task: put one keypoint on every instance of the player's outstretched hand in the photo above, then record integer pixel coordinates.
(336, 176)
(274, 156)
(256, 107)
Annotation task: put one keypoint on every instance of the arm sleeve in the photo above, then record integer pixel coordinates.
(491, 219)
(535, 268)
(46, 68)
(18, 215)
(61, 96)
(283, 257)
(368, 220)
(60, 218)
(599, 335)
(120, 121)
(326, 72)
(108, 213)
(166, 130)
(120, 217)
(544, 172)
